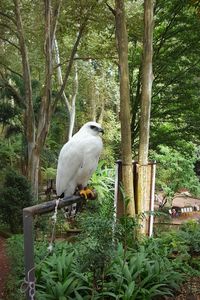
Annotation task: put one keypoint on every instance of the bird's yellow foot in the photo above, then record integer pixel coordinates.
(87, 193)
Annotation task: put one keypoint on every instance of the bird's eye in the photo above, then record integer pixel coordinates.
(92, 127)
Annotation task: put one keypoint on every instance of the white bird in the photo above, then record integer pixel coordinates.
(78, 159)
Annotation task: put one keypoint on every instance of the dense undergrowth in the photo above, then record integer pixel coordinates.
(105, 263)
(107, 260)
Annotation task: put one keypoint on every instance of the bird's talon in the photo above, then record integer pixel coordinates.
(83, 194)
(87, 193)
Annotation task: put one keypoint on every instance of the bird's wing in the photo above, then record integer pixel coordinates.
(91, 149)
(69, 162)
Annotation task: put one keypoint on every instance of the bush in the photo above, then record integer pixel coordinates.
(179, 246)
(134, 275)
(97, 241)
(15, 250)
(15, 195)
(129, 275)
(57, 278)
(175, 171)
(190, 233)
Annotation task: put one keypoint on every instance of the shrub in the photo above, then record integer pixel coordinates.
(58, 280)
(133, 275)
(190, 233)
(14, 196)
(14, 248)
(175, 170)
(97, 241)
(129, 275)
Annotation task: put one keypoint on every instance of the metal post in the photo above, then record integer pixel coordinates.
(153, 177)
(28, 215)
(29, 253)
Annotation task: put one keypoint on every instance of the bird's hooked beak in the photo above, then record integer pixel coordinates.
(101, 130)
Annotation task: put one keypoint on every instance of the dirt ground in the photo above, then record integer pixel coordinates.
(190, 290)
(4, 267)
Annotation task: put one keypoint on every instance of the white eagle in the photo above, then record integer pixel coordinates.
(78, 159)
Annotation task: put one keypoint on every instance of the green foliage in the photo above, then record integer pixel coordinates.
(57, 278)
(190, 233)
(175, 171)
(10, 151)
(175, 110)
(49, 173)
(97, 240)
(180, 246)
(130, 274)
(103, 181)
(7, 112)
(15, 250)
(129, 231)
(155, 267)
(134, 275)
(15, 195)
(175, 107)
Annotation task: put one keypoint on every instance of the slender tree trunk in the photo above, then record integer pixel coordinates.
(92, 99)
(35, 137)
(44, 114)
(122, 42)
(147, 79)
(71, 107)
(59, 75)
(35, 141)
(101, 116)
(29, 113)
(73, 102)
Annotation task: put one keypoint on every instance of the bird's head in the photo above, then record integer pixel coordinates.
(92, 128)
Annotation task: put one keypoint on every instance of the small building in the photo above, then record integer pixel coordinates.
(185, 207)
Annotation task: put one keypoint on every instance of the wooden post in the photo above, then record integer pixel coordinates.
(149, 203)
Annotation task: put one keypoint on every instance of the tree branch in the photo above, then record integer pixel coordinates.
(86, 58)
(55, 14)
(69, 65)
(8, 17)
(59, 74)
(11, 43)
(167, 28)
(111, 9)
(13, 91)
(73, 102)
(9, 69)
(9, 28)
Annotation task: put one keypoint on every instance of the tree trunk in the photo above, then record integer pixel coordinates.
(33, 171)
(71, 107)
(29, 127)
(45, 107)
(35, 137)
(73, 102)
(35, 141)
(147, 79)
(122, 43)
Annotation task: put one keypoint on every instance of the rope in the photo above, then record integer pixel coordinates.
(28, 285)
(54, 220)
